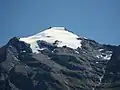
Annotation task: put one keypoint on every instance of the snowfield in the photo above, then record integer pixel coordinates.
(58, 35)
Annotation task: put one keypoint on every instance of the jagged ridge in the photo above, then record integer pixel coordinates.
(57, 68)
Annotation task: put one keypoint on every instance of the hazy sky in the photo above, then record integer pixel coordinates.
(95, 19)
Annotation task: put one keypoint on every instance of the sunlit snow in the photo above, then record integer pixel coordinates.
(101, 50)
(61, 34)
(107, 55)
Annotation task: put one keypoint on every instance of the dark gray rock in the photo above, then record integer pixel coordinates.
(59, 68)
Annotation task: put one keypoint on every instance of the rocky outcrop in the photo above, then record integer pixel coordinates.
(59, 68)
(111, 80)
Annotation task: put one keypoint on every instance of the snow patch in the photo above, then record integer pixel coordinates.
(41, 49)
(100, 50)
(77, 52)
(107, 55)
(96, 62)
(23, 51)
(34, 46)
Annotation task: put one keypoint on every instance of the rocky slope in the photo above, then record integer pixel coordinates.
(63, 62)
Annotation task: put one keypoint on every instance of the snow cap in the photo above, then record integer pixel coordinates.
(51, 35)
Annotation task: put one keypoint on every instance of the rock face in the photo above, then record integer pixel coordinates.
(111, 80)
(92, 66)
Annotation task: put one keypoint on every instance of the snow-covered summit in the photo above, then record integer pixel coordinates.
(57, 28)
(51, 35)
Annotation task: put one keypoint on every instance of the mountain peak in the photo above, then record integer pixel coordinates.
(92, 66)
(51, 35)
(57, 28)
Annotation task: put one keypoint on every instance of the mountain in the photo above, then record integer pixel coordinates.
(57, 59)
